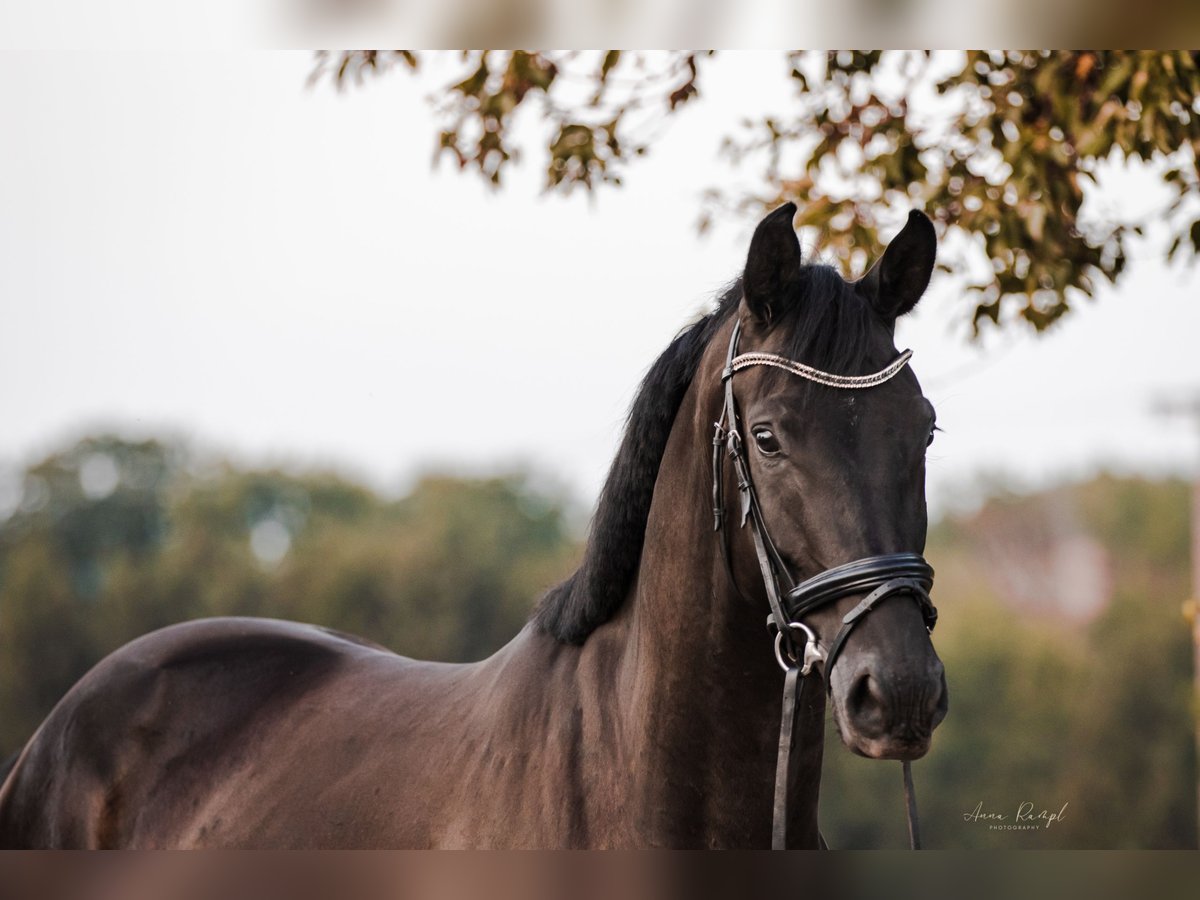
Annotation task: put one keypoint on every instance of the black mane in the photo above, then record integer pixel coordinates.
(827, 325)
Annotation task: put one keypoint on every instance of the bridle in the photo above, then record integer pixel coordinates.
(879, 577)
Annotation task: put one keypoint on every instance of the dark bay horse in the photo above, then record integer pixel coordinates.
(640, 705)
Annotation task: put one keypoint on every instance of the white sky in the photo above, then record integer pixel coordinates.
(195, 244)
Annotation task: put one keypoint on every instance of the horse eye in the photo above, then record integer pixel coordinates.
(932, 431)
(767, 444)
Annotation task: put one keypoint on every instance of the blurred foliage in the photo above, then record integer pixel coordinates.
(1002, 149)
(113, 539)
(587, 104)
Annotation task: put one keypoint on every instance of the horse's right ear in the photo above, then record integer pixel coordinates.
(773, 264)
(896, 282)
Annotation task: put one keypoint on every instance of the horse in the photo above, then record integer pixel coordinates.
(639, 705)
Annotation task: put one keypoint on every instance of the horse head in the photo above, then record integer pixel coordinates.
(827, 428)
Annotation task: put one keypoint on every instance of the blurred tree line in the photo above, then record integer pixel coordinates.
(114, 538)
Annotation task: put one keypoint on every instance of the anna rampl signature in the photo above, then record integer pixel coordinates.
(1027, 817)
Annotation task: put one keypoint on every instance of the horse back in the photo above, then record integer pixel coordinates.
(145, 736)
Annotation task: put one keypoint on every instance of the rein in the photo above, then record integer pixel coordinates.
(879, 577)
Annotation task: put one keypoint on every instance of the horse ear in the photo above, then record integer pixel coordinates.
(897, 281)
(773, 264)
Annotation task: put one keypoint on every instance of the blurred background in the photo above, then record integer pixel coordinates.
(349, 338)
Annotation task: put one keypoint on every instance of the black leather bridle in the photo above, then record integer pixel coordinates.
(878, 577)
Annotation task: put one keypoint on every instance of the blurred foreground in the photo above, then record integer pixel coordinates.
(263, 875)
(1066, 654)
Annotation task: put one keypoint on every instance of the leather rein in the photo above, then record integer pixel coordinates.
(878, 577)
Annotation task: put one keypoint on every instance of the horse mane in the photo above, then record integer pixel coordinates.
(827, 327)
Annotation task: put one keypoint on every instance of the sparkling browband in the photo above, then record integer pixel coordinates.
(746, 360)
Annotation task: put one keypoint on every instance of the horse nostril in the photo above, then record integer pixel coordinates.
(938, 703)
(867, 706)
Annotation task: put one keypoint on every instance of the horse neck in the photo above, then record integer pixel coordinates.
(698, 675)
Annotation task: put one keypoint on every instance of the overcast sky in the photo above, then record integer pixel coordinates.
(198, 245)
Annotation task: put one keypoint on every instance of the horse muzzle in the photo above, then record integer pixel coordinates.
(887, 685)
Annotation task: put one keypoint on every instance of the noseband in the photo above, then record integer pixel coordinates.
(879, 577)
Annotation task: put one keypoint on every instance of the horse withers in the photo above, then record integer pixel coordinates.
(639, 707)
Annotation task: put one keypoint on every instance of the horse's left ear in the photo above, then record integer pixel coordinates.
(897, 281)
(772, 265)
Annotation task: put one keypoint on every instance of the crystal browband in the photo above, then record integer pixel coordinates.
(746, 360)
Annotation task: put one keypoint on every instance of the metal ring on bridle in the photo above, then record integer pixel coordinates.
(809, 638)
